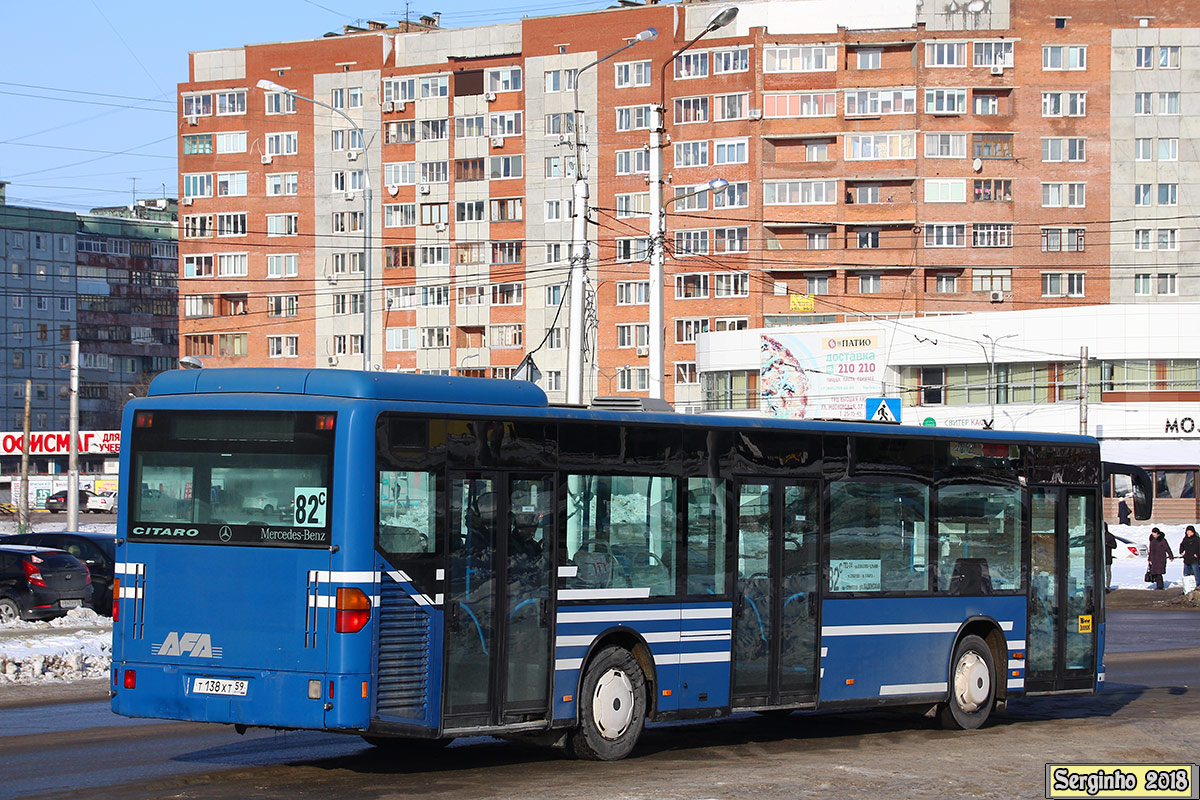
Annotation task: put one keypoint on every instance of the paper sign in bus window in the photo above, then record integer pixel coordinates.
(854, 575)
(309, 506)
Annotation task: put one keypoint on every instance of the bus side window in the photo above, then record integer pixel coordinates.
(407, 512)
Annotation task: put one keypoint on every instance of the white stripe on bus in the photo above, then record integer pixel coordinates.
(1016, 644)
(824, 652)
(1016, 663)
(567, 663)
(571, 616)
(898, 629)
(691, 658)
(913, 688)
(708, 613)
(659, 637)
(129, 568)
(633, 593)
(1016, 683)
(568, 572)
(133, 592)
(326, 576)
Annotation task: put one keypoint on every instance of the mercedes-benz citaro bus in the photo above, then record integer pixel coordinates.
(411, 558)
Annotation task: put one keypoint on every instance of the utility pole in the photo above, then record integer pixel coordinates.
(73, 457)
(1083, 390)
(23, 504)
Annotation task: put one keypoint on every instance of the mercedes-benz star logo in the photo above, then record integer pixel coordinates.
(225, 533)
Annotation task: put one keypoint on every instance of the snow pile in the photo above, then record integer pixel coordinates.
(69, 648)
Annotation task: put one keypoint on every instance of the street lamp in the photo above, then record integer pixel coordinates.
(991, 362)
(658, 220)
(271, 86)
(579, 254)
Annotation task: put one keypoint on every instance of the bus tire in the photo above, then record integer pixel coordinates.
(972, 685)
(612, 707)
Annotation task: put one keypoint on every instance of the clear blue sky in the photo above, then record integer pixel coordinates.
(87, 87)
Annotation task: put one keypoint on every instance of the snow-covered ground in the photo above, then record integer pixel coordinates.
(1129, 572)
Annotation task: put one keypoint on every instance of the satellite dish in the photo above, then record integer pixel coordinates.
(977, 165)
(393, 189)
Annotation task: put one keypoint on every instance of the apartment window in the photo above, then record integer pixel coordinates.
(1166, 283)
(1168, 149)
(732, 240)
(633, 205)
(1063, 149)
(880, 146)
(991, 234)
(991, 145)
(507, 252)
(725, 61)
(433, 86)
(198, 305)
(231, 184)
(355, 96)
(1143, 57)
(691, 109)
(438, 337)
(731, 284)
(1168, 57)
(283, 346)
(199, 185)
(685, 372)
(283, 224)
(283, 305)
(1141, 239)
(399, 215)
(197, 105)
(691, 243)
(558, 124)
(870, 283)
(868, 239)
(506, 79)
(282, 265)
(399, 89)
(942, 190)
(1070, 240)
(778, 193)
(231, 102)
(687, 154)
(947, 284)
(877, 102)
(686, 330)
(282, 183)
(632, 249)
(197, 144)
(337, 98)
(633, 118)
(985, 104)
(197, 266)
(871, 58)
(993, 190)
(1168, 103)
(867, 194)
(233, 224)
(1168, 238)
(400, 174)
(945, 101)
(1064, 57)
(631, 335)
(633, 293)
(945, 235)
(282, 144)
(633, 379)
(1143, 103)
(505, 124)
(993, 54)
(945, 145)
(560, 80)
(991, 280)
(690, 198)
(433, 130)
(800, 104)
(816, 240)
(233, 265)
(945, 54)
(633, 73)
(508, 210)
(1060, 195)
(691, 65)
(1060, 284)
(560, 166)
(347, 180)
(506, 336)
(1074, 240)
(1064, 104)
(1168, 194)
(800, 58)
(816, 151)
(817, 284)
(1142, 285)
(634, 162)
(1143, 149)
(1141, 194)
(280, 103)
(435, 172)
(403, 132)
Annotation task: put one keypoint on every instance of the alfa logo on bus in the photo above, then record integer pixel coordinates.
(196, 645)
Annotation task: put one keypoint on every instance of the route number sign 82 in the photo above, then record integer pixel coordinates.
(309, 505)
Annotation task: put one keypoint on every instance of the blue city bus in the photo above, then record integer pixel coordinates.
(413, 558)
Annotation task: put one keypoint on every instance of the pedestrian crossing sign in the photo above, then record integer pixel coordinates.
(883, 409)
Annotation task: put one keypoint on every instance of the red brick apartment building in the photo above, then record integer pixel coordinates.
(951, 158)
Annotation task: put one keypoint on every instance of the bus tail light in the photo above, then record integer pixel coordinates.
(116, 598)
(326, 422)
(131, 679)
(143, 419)
(353, 610)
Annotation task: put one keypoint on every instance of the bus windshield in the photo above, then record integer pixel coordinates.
(232, 478)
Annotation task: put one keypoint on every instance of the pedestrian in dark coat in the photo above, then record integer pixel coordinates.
(1189, 551)
(1110, 544)
(1160, 551)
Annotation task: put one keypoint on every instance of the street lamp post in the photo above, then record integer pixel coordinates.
(579, 253)
(991, 362)
(658, 220)
(271, 86)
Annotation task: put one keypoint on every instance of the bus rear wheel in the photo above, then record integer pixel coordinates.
(972, 685)
(612, 707)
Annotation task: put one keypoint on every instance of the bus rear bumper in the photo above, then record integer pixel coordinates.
(266, 698)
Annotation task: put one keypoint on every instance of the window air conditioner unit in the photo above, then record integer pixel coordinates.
(193, 120)
(423, 188)
(996, 296)
(388, 106)
(332, 360)
(187, 201)
(497, 141)
(352, 155)
(350, 195)
(998, 69)
(489, 96)
(756, 113)
(643, 350)
(440, 227)
(401, 105)
(267, 159)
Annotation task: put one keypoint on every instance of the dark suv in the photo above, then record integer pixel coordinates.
(40, 583)
(58, 501)
(96, 550)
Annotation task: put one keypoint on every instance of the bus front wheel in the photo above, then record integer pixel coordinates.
(972, 685)
(612, 707)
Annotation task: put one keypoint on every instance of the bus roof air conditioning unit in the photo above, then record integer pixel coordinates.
(996, 296)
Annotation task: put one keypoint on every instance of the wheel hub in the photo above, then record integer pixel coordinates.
(972, 685)
(612, 705)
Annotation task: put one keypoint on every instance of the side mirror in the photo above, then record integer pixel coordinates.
(1143, 488)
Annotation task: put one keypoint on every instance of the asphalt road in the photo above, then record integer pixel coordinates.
(1146, 713)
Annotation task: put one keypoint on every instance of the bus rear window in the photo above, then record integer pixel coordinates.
(267, 483)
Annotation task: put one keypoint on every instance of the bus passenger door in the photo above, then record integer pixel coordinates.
(1061, 634)
(498, 606)
(776, 605)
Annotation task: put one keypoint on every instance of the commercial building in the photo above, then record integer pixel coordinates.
(886, 160)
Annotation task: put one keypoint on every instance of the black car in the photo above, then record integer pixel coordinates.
(58, 501)
(97, 550)
(40, 583)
